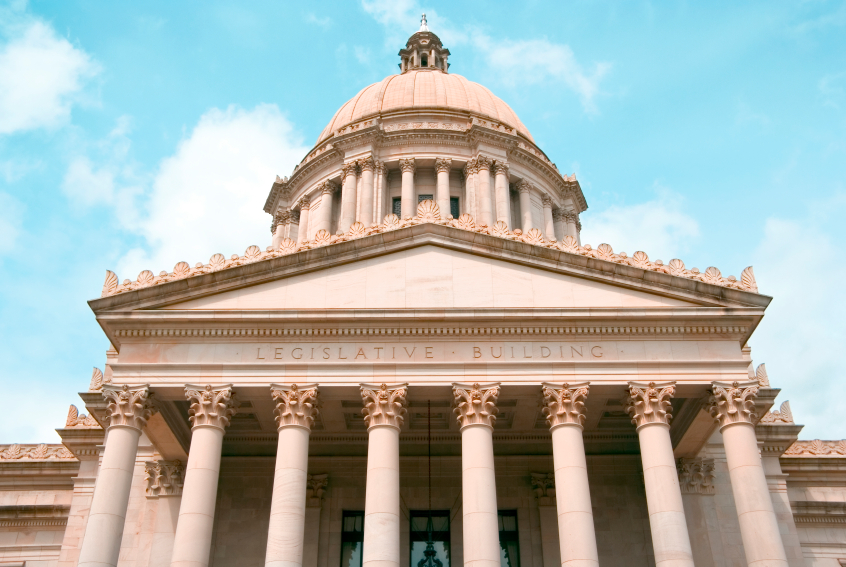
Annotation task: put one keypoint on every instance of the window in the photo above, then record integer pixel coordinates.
(396, 206)
(419, 523)
(352, 536)
(508, 539)
(453, 207)
(424, 61)
(421, 198)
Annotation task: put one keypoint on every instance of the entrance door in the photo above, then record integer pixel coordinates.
(429, 543)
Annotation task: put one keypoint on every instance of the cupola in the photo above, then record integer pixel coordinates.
(424, 50)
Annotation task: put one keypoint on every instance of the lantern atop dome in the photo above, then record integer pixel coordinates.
(424, 51)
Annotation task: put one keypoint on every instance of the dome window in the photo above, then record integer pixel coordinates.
(424, 61)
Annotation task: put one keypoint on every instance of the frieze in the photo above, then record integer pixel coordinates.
(35, 452)
(817, 448)
(428, 212)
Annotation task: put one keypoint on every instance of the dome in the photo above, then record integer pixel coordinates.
(424, 89)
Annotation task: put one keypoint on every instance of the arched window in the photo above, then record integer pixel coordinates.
(424, 61)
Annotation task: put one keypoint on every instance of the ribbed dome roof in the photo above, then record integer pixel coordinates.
(424, 89)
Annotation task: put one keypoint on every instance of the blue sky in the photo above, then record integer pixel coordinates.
(136, 135)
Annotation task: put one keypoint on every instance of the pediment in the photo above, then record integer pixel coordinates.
(430, 277)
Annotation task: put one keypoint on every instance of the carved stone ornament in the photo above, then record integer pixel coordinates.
(475, 404)
(76, 419)
(483, 162)
(164, 478)
(304, 203)
(524, 186)
(384, 405)
(500, 168)
(564, 404)
(128, 407)
(315, 489)
(443, 165)
(348, 169)
(696, 476)
(650, 403)
(546, 200)
(783, 415)
(296, 405)
(327, 188)
(381, 168)
(734, 402)
(543, 485)
(817, 448)
(37, 452)
(367, 164)
(761, 376)
(211, 406)
(407, 165)
(470, 168)
(97, 380)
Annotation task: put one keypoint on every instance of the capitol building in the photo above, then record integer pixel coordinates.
(425, 366)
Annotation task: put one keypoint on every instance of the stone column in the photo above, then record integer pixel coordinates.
(315, 488)
(384, 412)
(503, 199)
(348, 196)
(295, 411)
(486, 213)
(129, 409)
(564, 408)
(470, 197)
(650, 409)
(443, 166)
(409, 207)
(324, 212)
(302, 229)
(525, 189)
(733, 406)
(476, 409)
(282, 223)
(558, 224)
(164, 486)
(382, 206)
(210, 411)
(367, 165)
(543, 485)
(548, 226)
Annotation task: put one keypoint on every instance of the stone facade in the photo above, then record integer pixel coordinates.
(464, 358)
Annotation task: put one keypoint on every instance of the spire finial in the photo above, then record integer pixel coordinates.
(423, 25)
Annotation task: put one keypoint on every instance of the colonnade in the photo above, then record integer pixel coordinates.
(731, 404)
(365, 199)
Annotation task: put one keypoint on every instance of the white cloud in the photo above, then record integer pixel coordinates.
(659, 227)
(208, 197)
(802, 335)
(324, 22)
(41, 76)
(86, 185)
(11, 220)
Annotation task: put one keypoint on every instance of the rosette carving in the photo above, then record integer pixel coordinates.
(476, 404)
(650, 403)
(164, 478)
(384, 405)
(564, 404)
(211, 406)
(296, 405)
(128, 407)
(733, 402)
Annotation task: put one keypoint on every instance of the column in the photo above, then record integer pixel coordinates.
(129, 409)
(324, 212)
(649, 406)
(282, 223)
(384, 412)
(315, 488)
(476, 409)
(409, 207)
(367, 165)
(296, 408)
(558, 224)
(733, 406)
(486, 214)
(164, 487)
(525, 189)
(302, 229)
(564, 409)
(548, 226)
(470, 188)
(382, 206)
(442, 167)
(210, 411)
(503, 199)
(348, 196)
(543, 486)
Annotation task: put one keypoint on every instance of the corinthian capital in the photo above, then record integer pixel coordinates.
(315, 488)
(650, 403)
(327, 187)
(564, 404)
(304, 203)
(296, 406)
(128, 406)
(381, 169)
(407, 165)
(524, 186)
(543, 485)
(476, 404)
(349, 169)
(384, 405)
(367, 164)
(696, 476)
(470, 167)
(443, 165)
(733, 402)
(483, 162)
(546, 200)
(211, 406)
(500, 168)
(164, 478)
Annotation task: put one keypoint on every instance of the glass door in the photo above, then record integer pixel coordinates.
(429, 538)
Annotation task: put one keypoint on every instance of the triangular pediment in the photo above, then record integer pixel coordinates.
(427, 277)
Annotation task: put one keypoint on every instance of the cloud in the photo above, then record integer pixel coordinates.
(86, 185)
(11, 221)
(324, 22)
(659, 227)
(208, 196)
(41, 76)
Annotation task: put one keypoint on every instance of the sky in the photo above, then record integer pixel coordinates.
(137, 134)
